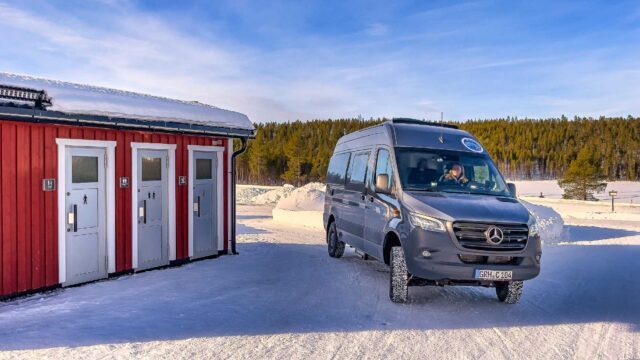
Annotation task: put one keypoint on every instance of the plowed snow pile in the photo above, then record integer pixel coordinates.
(273, 196)
(307, 198)
(550, 223)
(262, 195)
(303, 206)
(245, 194)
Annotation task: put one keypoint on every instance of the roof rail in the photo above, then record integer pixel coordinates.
(39, 98)
(421, 122)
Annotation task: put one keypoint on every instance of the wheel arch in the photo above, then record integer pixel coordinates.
(391, 239)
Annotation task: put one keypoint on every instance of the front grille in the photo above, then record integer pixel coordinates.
(472, 236)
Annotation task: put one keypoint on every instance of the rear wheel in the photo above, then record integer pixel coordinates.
(334, 245)
(399, 277)
(509, 292)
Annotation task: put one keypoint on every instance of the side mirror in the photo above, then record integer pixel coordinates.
(382, 184)
(512, 188)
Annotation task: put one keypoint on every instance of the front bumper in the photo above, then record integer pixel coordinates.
(445, 261)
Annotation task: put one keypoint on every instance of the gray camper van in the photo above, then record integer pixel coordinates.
(427, 199)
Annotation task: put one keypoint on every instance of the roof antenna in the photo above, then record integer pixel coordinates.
(441, 138)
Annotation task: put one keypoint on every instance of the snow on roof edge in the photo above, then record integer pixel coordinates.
(72, 98)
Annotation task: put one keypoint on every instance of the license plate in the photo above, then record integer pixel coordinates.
(493, 274)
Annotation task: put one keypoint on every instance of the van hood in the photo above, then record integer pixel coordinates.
(467, 207)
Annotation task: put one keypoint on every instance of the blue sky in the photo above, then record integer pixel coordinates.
(288, 60)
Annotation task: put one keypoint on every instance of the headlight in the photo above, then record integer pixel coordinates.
(533, 227)
(426, 222)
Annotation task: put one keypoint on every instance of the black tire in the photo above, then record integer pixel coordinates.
(509, 292)
(334, 245)
(399, 276)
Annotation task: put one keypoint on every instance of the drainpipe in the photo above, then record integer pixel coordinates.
(233, 194)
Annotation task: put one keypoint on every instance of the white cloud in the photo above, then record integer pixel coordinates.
(377, 29)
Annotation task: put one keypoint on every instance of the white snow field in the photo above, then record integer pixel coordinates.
(628, 191)
(284, 297)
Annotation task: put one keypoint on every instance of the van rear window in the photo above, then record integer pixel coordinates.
(337, 168)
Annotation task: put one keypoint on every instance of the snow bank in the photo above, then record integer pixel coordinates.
(245, 194)
(303, 206)
(628, 191)
(273, 196)
(262, 195)
(550, 223)
(307, 198)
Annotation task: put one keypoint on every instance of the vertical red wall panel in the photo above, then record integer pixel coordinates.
(9, 234)
(89, 133)
(100, 134)
(37, 207)
(76, 133)
(23, 203)
(50, 204)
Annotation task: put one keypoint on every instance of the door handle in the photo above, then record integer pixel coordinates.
(198, 206)
(144, 211)
(72, 218)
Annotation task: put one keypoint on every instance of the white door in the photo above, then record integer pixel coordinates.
(85, 207)
(153, 243)
(205, 198)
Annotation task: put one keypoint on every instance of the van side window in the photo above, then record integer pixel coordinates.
(337, 168)
(383, 166)
(357, 171)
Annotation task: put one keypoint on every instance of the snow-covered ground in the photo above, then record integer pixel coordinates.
(283, 297)
(628, 191)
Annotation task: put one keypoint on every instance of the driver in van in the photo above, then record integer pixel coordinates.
(454, 175)
(422, 174)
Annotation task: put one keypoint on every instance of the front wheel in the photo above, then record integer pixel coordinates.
(509, 292)
(334, 245)
(399, 277)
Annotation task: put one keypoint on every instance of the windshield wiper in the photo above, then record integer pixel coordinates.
(422, 189)
(483, 193)
(457, 192)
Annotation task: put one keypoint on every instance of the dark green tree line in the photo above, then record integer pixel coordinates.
(299, 152)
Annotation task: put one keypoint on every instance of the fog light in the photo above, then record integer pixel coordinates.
(538, 257)
(426, 254)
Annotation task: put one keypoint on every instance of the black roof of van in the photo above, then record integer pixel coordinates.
(422, 122)
(407, 133)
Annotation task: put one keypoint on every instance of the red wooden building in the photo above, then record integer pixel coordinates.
(97, 182)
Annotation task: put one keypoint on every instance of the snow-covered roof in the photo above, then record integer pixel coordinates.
(74, 99)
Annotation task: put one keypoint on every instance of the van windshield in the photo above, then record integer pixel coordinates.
(448, 171)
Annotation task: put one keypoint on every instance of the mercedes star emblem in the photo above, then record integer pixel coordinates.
(494, 235)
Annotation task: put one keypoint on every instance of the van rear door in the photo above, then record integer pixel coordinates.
(336, 177)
